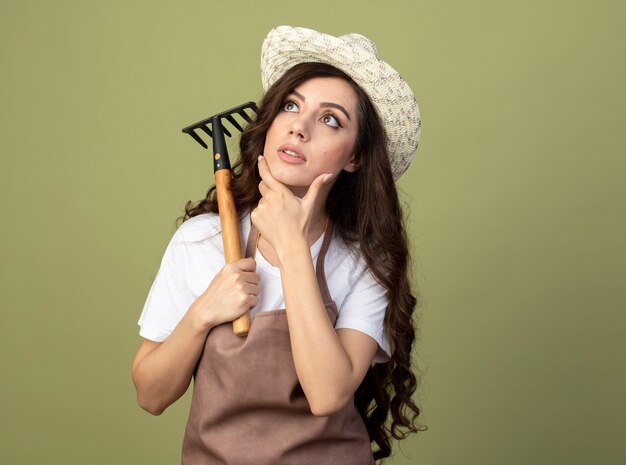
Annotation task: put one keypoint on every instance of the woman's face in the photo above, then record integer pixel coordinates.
(315, 132)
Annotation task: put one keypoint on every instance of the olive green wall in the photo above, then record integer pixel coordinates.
(516, 202)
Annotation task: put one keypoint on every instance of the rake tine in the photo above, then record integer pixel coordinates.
(226, 132)
(234, 122)
(245, 116)
(198, 139)
(207, 130)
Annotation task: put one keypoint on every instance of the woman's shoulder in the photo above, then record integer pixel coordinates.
(198, 228)
(346, 256)
(202, 227)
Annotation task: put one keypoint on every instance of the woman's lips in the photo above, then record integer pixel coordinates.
(291, 154)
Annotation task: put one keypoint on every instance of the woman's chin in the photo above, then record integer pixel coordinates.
(295, 180)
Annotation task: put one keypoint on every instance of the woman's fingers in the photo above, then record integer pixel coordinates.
(315, 188)
(252, 301)
(245, 264)
(246, 276)
(267, 177)
(231, 293)
(263, 189)
(250, 277)
(251, 288)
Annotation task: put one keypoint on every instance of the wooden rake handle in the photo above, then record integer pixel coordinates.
(230, 235)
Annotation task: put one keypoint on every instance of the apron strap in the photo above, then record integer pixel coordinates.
(252, 239)
(319, 267)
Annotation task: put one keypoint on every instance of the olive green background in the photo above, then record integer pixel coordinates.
(515, 202)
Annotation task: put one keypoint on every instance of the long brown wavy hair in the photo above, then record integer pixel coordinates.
(365, 209)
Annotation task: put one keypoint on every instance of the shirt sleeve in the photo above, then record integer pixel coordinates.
(363, 309)
(169, 297)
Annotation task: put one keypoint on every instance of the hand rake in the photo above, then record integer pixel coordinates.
(225, 201)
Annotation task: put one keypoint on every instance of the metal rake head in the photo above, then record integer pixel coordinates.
(217, 130)
(228, 115)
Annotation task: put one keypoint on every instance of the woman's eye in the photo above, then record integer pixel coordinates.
(331, 121)
(290, 106)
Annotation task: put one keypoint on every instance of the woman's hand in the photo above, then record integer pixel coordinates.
(283, 218)
(162, 371)
(232, 292)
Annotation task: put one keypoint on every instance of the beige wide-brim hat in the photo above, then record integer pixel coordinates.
(286, 46)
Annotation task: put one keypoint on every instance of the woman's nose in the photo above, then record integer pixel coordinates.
(299, 128)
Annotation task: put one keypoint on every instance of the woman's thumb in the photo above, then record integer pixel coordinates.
(316, 186)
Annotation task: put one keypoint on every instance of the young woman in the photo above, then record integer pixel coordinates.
(324, 375)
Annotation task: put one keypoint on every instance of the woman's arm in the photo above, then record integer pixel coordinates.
(162, 371)
(330, 364)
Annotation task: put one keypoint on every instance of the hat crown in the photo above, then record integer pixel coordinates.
(358, 41)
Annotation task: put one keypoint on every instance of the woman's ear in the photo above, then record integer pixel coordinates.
(352, 165)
